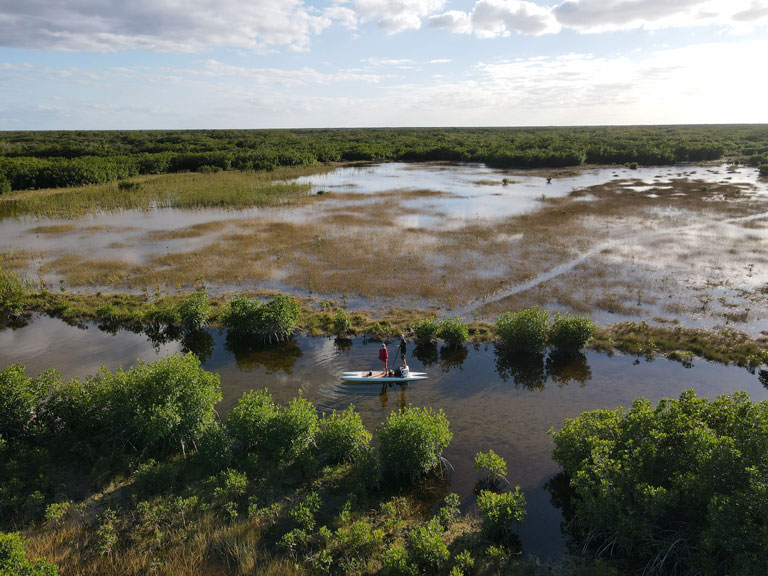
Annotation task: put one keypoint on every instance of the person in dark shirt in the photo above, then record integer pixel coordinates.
(403, 349)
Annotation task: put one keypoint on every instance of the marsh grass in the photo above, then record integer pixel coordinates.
(53, 230)
(352, 243)
(194, 231)
(231, 189)
(640, 338)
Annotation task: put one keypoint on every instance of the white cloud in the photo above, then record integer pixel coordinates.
(494, 18)
(395, 16)
(161, 25)
(456, 21)
(605, 15)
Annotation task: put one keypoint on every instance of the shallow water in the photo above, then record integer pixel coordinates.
(492, 403)
(468, 192)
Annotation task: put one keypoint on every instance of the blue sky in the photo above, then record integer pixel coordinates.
(143, 64)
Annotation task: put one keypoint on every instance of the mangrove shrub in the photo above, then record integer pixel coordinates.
(342, 435)
(501, 512)
(425, 330)
(279, 431)
(273, 320)
(569, 334)
(14, 562)
(680, 486)
(194, 311)
(453, 332)
(413, 440)
(157, 405)
(523, 331)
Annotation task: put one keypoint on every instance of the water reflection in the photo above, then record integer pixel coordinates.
(253, 353)
(342, 345)
(532, 371)
(200, 343)
(399, 395)
(446, 358)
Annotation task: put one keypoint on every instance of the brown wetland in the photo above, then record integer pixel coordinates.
(493, 402)
(683, 244)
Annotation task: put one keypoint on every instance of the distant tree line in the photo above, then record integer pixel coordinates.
(75, 158)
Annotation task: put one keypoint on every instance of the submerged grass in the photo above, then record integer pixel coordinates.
(231, 189)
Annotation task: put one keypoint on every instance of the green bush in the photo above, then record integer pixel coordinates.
(342, 325)
(273, 320)
(14, 562)
(128, 186)
(453, 332)
(365, 472)
(425, 330)
(427, 546)
(523, 331)
(194, 311)
(449, 512)
(684, 482)
(161, 316)
(14, 291)
(304, 513)
(342, 436)
(18, 400)
(280, 432)
(214, 448)
(250, 421)
(397, 562)
(569, 334)
(157, 405)
(501, 512)
(242, 315)
(5, 185)
(490, 464)
(412, 441)
(294, 429)
(279, 317)
(763, 169)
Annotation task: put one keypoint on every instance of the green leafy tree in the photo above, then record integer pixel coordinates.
(194, 311)
(157, 405)
(412, 441)
(680, 485)
(501, 512)
(453, 332)
(343, 436)
(569, 334)
(524, 331)
(426, 330)
(14, 562)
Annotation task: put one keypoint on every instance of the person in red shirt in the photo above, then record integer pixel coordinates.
(384, 357)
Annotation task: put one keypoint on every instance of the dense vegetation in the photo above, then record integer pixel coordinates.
(132, 472)
(57, 159)
(678, 489)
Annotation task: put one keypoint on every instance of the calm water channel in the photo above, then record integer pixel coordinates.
(492, 403)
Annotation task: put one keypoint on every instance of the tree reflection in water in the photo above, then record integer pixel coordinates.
(342, 345)
(426, 353)
(251, 353)
(200, 343)
(446, 358)
(532, 370)
(566, 368)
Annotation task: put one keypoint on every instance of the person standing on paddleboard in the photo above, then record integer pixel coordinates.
(384, 357)
(403, 350)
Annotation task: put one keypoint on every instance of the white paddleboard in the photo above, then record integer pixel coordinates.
(379, 376)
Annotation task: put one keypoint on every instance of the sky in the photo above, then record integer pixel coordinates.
(177, 64)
